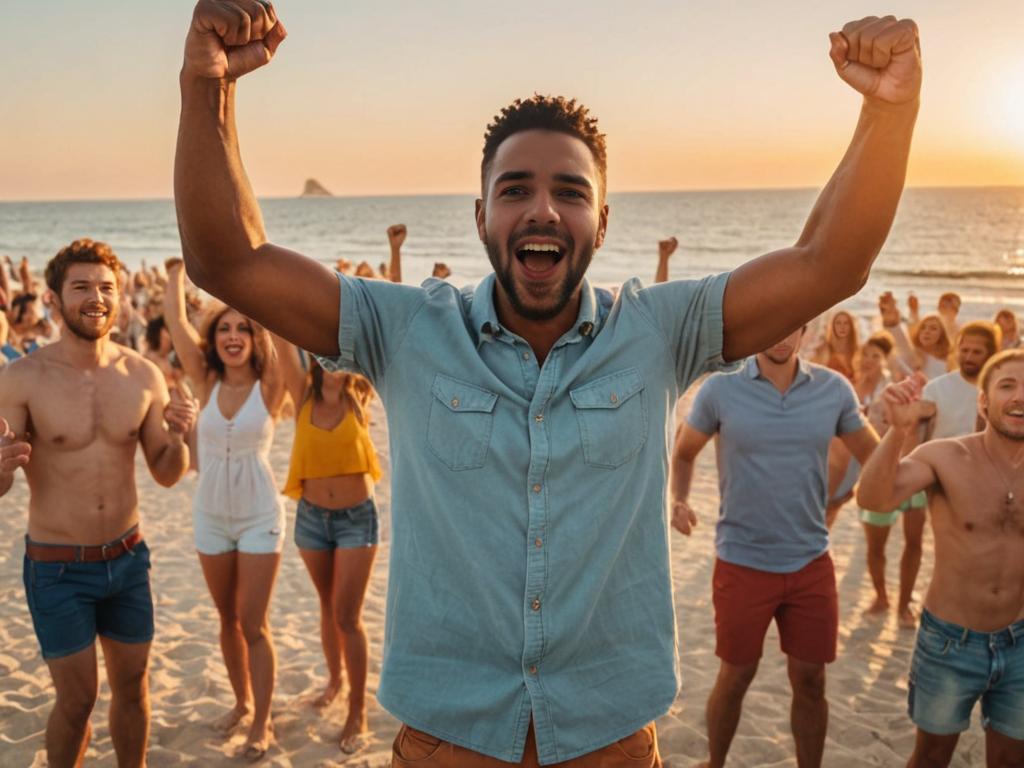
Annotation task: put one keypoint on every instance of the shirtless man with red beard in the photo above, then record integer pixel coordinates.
(71, 415)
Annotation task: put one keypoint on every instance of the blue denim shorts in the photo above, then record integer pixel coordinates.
(73, 602)
(320, 528)
(953, 667)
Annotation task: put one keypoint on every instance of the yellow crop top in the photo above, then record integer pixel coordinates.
(344, 450)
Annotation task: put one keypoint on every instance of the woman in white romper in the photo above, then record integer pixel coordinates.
(238, 515)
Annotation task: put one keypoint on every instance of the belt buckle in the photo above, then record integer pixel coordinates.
(103, 551)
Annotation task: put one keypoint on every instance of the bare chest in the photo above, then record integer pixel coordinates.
(75, 409)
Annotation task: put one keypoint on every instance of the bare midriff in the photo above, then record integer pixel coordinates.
(338, 492)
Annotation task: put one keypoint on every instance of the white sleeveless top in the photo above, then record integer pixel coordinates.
(933, 367)
(235, 478)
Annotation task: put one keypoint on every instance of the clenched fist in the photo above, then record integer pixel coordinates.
(230, 38)
(879, 57)
(181, 411)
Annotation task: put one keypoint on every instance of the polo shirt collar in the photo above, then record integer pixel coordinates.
(803, 369)
(484, 317)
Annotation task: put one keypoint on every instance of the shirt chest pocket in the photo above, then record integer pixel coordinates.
(612, 417)
(459, 423)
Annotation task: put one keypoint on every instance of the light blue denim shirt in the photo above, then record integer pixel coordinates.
(772, 451)
(529, 569)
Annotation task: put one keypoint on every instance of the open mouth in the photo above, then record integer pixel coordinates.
(539, 260)
(95, 314)
(233, 349)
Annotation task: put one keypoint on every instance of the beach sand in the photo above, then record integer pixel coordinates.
(867, 686)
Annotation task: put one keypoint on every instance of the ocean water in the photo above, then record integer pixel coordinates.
(966, 239)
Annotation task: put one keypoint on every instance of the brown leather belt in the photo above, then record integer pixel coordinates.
(72, 553)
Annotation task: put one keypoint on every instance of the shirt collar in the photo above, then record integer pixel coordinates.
(803, 369)
(484, 317)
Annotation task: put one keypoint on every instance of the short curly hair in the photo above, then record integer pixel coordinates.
(546, 113)
(81, 251)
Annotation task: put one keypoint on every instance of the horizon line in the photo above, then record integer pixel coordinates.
(802, 188)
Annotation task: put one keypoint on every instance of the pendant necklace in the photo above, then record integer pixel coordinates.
(1009, 486)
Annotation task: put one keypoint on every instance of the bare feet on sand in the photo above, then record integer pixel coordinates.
(877, 608)
(230, 719)
(330, 693)
(257, 742)
(907, 618)
(355, 735)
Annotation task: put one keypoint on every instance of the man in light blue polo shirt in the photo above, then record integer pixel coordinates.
(773, 420)
(530, 614)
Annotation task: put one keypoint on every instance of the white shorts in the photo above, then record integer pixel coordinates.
(258, 534)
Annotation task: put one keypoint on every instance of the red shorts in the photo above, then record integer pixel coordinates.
(804, 604)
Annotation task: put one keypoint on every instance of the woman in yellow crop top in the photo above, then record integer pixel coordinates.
(332, 472)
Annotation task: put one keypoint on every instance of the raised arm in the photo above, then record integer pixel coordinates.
(167, 423)
(15, 450)
(222, 235)
(290, 367)
(184, 338)
(886, 480)
(396, 236)
(665, 250)
(776, 293)
(688, 444)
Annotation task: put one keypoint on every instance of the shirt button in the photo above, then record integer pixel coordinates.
(539, 418)
(538, 543)
(526, 355)
(533, 669)
(535, 604)
(614, 398)
(455, 402)
(536, 487)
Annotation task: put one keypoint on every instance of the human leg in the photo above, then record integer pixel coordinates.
(808, 716)
(910, 562)
(256, 575)
(352, 568)
(724, 706)
(1001, 751)
(876, 537)
(320, 565)
(67, 729)
(127, 674)
(220, 572)
(932, 750)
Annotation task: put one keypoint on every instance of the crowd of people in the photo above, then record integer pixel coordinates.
(529, 608)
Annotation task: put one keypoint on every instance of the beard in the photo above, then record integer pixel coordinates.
(73, 323)
(780, 359)
(573, 277)
(1014, 434)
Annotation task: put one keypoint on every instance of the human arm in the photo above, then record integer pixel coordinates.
(688, 444)
(289, 366)
(168, 421)
(861, 443)
(15, 451)
(887, 480)
(184, 338)
(396, 236)
(770, 296)
(665, 250)
(222, 235)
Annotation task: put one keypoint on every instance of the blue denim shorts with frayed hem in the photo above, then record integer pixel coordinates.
(321, 528)
(72, 602)
(953, 667)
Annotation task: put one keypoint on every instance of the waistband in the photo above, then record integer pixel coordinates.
(1008, 636)
(308, 506)
(76, 553)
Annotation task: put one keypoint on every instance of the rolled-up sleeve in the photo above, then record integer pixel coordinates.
(375, 316)
(689, 315)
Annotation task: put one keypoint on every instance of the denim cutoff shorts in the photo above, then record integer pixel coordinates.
(72, 602)
(953, 667)
(321, 528)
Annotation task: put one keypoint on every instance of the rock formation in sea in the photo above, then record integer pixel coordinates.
(314, 188)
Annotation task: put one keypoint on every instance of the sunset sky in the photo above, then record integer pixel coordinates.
(393, 97)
